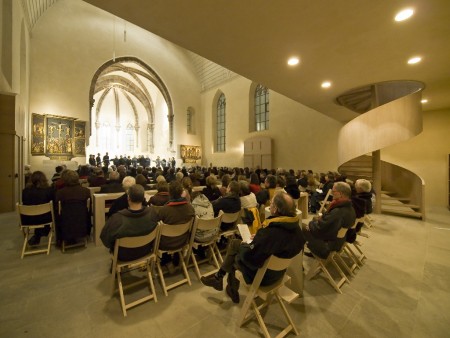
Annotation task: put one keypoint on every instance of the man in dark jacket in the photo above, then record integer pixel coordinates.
(131, 222)
(321, 233)
(281, 236)
(230, 203)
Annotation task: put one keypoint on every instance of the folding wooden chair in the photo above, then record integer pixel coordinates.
(147, 261)
(233, 231)
(175, 230)
(74, 222)
(333, 258)
(323, 203)
(211, 244)
(33, 211)
(251, 309)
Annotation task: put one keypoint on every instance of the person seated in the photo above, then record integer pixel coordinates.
(362, 203)
(162, 196)
(37, 191)
(226, 179)
(114, 184)
(141, 180)
(281, 236)
(302, 182)
(122, 202)
(292, 188)
(211, 191)
(319, 195)
(72, 192)
(321, 233)
(57, 175)
(230, 203)
(248, 199)
(98, 179)
(177, 211)
(187, 188)
(133, 221)
(255, 184)
(266, 195)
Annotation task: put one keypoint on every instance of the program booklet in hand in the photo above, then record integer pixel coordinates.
(245, 233)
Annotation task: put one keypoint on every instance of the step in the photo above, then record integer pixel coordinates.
(412, 206)
(408, 213)
(389, 198)
(357, 170)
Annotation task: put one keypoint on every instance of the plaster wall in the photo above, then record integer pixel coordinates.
(73, 39)
(302, 138)
(427, 156)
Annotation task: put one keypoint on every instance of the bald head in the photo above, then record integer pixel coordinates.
(284, 204)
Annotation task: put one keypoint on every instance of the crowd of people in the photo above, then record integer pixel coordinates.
(130, 161)
(225, 189)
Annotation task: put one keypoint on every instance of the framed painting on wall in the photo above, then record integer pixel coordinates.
(79, 138)
(59, 136)
(37, 134)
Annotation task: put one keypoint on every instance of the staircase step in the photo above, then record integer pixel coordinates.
(409, 213)
(388, 198)
(357, 170)
(412, 206)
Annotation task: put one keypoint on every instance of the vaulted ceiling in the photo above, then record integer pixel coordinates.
(351, 43)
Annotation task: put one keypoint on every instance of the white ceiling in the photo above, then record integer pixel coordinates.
(352, 43)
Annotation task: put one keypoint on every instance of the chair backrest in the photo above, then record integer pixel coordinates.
(34, 210)
(231, 217)
(137, 241)
(324, 201)
(174, 230)
(342, 232)
(208, 224)
(278, 264)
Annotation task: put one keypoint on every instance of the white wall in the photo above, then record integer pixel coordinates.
(73, 39)
(427, 156)
(302, 138)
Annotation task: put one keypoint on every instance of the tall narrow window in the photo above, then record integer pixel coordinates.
(261, 108)
(105, 136)
(220, 124)
(129, 138)
(190, 125)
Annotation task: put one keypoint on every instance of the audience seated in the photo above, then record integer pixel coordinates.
(255, 184)
(97, 179)
(265, 195)
(162, 196)
(321, 233)
(187, 188)
(230, 203)
(142, 181)
(226, 179)
(362, 203)
(292, 188)
(37, 191)
(248, 198)
(74, 222)
(281, 237)
(135, 220)
(114, 184)
(318, 196)
(122, 202)
(211, 191)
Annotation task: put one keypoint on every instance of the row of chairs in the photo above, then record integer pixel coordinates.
(73, 215)
(345, 261)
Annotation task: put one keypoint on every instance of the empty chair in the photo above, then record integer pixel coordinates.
(147, 261)
(74, 223)
(42, 216)
(180, 234)
(251, 309)
(206, 226)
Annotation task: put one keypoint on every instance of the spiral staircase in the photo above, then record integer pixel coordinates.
(391, 112)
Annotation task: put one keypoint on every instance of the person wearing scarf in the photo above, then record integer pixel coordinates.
(281, 236)
(321, 233)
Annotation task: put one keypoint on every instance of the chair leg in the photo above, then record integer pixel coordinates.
(292, 326)
(122, 297)
(50, 236)
(183, 265)
(339, 258)
(161, 277)
(25, 242)
(260, 319)
(355, 257)
(336, 286)
(313, 270)
(196, 268)
(150, 280)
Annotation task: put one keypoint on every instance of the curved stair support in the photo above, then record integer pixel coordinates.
(386, 125)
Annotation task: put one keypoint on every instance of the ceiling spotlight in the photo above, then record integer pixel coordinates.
(414, 60)
(326, 84)
(404, 14)
(424, 101)
(293, 61)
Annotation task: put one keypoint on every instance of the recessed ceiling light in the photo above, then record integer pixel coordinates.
(326, 84)
(404, 14)
(293, 61)
(414, 60)
(424, 101)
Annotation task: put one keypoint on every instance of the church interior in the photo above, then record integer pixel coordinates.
(149, 78)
